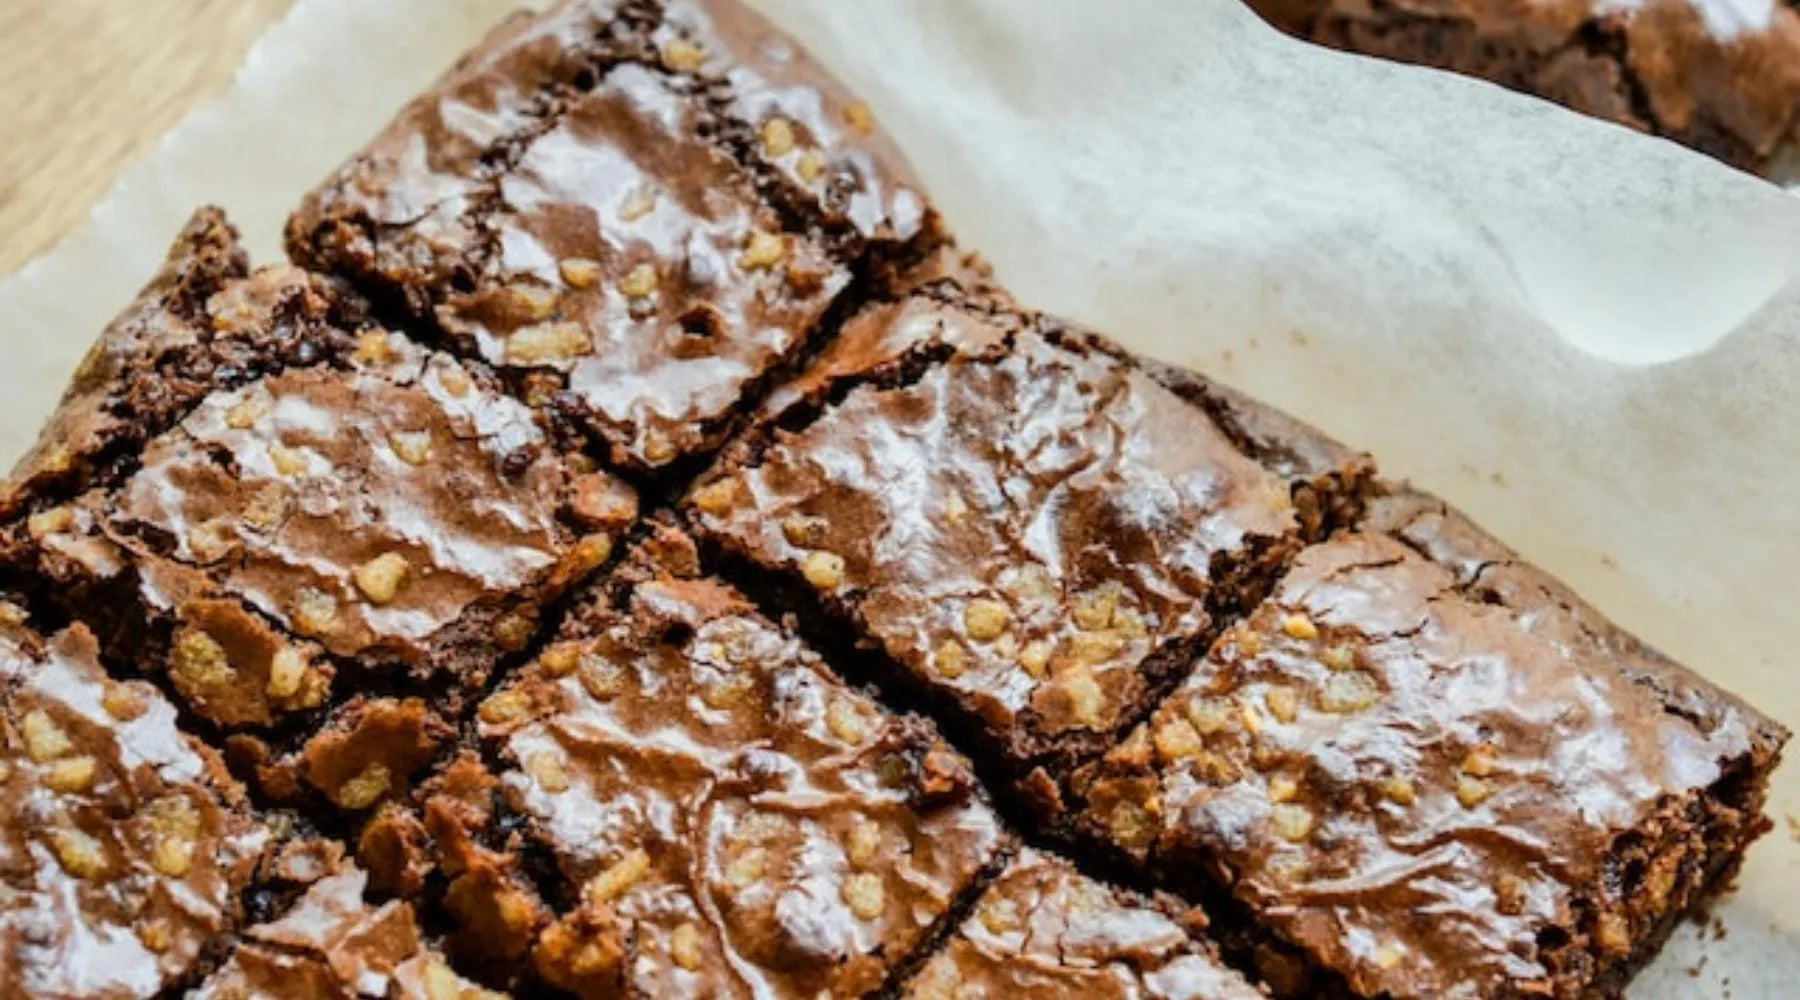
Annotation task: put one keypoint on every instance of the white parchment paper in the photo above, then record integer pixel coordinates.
(1587, 338)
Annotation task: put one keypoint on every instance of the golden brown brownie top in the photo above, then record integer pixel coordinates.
(1380, 740)
(331, 945)
(737, 821)
(1043, 931)
(1022, 526)
(124, 846)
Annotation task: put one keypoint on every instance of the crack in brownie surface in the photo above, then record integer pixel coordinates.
(640, 238)
(1437, 778)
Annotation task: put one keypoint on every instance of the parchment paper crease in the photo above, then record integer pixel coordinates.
(1587, 338)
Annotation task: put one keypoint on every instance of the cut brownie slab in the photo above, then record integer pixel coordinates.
(726, 817)
(1037, 533)
(1439, 774)
(331, 945)
(125, 848)
(638, 213)
(1043, 931)
(300, 511)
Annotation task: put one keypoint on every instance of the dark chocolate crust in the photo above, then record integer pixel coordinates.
(349, 696)
(1700, 72)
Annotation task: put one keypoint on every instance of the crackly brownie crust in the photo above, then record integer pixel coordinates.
(1415, 722)
(640, 211)
(725, 816)
(1033, 528)
(125, 848)
(1704, 74)
(1044, 931)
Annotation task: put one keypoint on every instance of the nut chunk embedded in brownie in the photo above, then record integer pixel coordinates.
(331, 945)
(638, 213)
(729, 818)
(1043, 931)
(1438, 774)
(124, 845)
(1035, 530)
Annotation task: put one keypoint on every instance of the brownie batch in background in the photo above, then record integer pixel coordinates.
(377, 666)
(1720, 77)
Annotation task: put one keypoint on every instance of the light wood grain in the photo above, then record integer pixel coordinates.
(90, 86)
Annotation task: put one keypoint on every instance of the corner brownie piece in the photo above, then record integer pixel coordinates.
(1044, 931)
(1724, 82)
(331, 945)
(725, 816)
(1035, 531)
(289, 518)
(125, 848)
(640, 213)
(1438, 774)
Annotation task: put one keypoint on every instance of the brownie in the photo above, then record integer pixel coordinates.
(1719, 79)
(331, 945)
(1044, 931)
(1434, 772)
(724, 816)
(639, 212)
(125, 847)
(323, 549)
(1034, 531)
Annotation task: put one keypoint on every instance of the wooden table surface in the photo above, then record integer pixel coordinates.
(91, 85)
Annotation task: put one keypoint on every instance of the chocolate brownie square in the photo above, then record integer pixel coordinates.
(725, 817)
(125, 847)
(1044, 931)
(639, 213)
(1034, 532)
(1437, 773)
